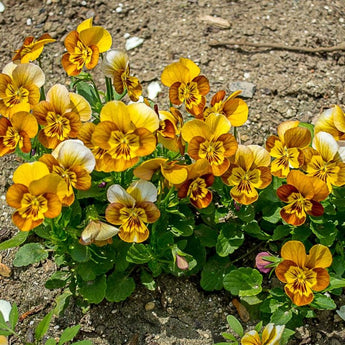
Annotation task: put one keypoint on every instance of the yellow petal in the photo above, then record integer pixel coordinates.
(96, 36)
(261, 156)
(236, 111)
(28, 172)
(86, 24)
(297, 137)
(80, 106)
(339, 118)
(175, 72)
(294, 251)
(117, 112)
(319, 256)
(116, 194)
(9, 68)
(142, 190)
(28, 73)
(51, 183)
(24, 121)
(143, 116)
(58, 96)
(175, 174)
(218, 124)
(326, 145)
(284, 126)
(272, 334)
(244, 157)
(193, 68)
(98, 231)
(251, 338)
(114, 60)
(3, 340)
(325, 123)
(195, 128)
(147, 168)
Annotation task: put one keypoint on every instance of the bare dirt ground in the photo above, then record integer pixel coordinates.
(289, 85)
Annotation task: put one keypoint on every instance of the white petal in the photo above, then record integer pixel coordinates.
(5, 309)
(116, 193)
(142, 190)
(326, 145)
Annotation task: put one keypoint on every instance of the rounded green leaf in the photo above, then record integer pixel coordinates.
(29, 254)
(119, 287)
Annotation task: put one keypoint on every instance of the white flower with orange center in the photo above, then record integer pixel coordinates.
(19, 88)
(211, 140)
(249, 169)
(132, 209)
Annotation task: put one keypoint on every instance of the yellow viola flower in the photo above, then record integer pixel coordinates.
(249, 169)
(56, 117)
(19, 88)
(171, 170)
(115, 65)
(303, 194)
(84, 46)
(271, 335)
(186, 85)
(199, 179)
(32, 48)
(17, 132)
(125, 133)
(286, 148)
(325, 161)
(233, 108)
(3, 340)
(211, 140)
(302, 273)
(132, 209)
(332, 121)
(99, 233)
(74, 162)
(36, 194)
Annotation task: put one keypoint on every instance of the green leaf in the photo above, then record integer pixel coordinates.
(213, 273)
(182, 227)
(235, 325)
(147, 280)
(79, 252)
(206, 235)
(258, 327)
(15, 241)
(338, 265)
(281, 231)
(68, 334)
(50, 341)
(281, 316)
(29, 253)
(139, 253)
(14, 315)
(83, 342)
(244, 281)
(301, 233)
(341, 312)
(43, 326)
(254, 230)
(94, 290)
(335, 283)
(57, 280)
(272, 214)
(228, 336)
(287, 333)
(119, 287)
(62, 302)
(326, 232)
(323, 302)
(246, 213)
(229, 239)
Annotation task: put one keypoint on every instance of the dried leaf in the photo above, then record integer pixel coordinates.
(5, 271)
(216, 21)
(242, 310)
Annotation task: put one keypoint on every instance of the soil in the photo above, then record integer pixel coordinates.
(289, 85)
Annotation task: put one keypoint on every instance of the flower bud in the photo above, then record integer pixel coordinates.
(261, 263)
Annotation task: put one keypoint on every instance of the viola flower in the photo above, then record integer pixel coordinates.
(36, 194)
(186, 85)
(84, 46)
(132, 209)
(19, 88)
(74, 162)
(332, 121)
(326, 162)
(199, 179)
(56, 117)
(287, 147)
(124, 134)
(17, 132)
(249, 169)
(303, 273)
(233, 108)
(211, 140)
(115, 65)
(171, 170)
(98, 233)
(303, 194)
(271, 335)
(31, 48)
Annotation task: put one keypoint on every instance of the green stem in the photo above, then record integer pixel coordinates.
(235, 133)
(166, 199)
(96, 90)
(110, 90)
(42, 94)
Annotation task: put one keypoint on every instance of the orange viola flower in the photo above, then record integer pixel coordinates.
(74, 162)
(211, 140)
(326, 161)
(99, 233)
(36, 194)
(249, 169)
(31, 48)
(56, 117)
(195, 187)
(19, 88)
(186, 85)
(303, 194)
(303, 273)
(84, 46)
(271, 335)
(287, 147)
(115, 65)
(332, 121)
(233, 108)
(17, 132)
(132, 209)
(172, 171)
(124, 134)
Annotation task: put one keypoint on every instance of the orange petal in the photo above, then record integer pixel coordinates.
(292, 218)
(282, 268)
(284, 126)
(319, 256)
(15, 194)
(294, 251)
(322, 279)
(297, 137)
(25, 224)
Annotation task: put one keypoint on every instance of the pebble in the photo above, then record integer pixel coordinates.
(2, 7)
(28, 21)
(150, 306)
(134, 42)
(153, 89)
(248, 89)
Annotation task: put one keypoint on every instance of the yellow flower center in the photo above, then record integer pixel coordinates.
(15, 95)
(197, 189)
(33, 206)
(326, 171)
(133, 219)
(189, 92)
(213, 151)
(300, 279)
(68, 175)
(11, 138)
(57, 126)
(123, 145)
(298, 204)
(82, 55)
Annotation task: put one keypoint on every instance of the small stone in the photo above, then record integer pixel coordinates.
(153, 89)
(126, 35)
(216, 21)
(248, 89)
(150, 306)
(2, 7)
(134, 42)
(28, 21)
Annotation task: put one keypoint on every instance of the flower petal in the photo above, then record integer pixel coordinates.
(142, 190)
(81, 106)
(116, 194)
(319, 256)
(143, 116)
(28, 172)
(28, 73)
(294, 251)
